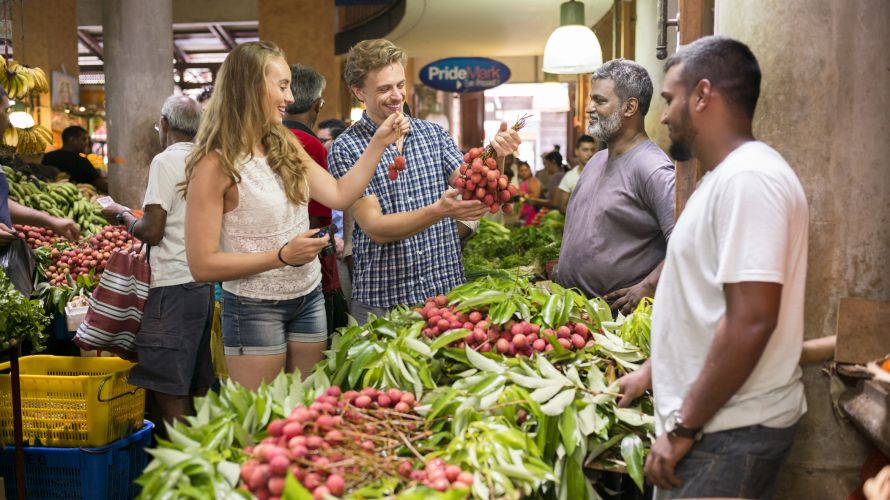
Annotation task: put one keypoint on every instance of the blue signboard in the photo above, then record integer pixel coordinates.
(464, 74)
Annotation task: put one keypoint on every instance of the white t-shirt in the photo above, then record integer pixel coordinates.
(168, 263)
(570, 179)
(747, 221)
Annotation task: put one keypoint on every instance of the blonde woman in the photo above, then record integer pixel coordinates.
(247, 222)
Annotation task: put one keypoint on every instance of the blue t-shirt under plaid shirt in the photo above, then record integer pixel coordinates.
(423, 265)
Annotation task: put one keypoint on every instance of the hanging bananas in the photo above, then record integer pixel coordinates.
(28, 141)
(20, 81)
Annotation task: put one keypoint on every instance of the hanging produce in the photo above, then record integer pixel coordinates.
(20, 81)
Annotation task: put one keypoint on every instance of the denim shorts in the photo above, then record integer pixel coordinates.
(264, 327)
(737, 463)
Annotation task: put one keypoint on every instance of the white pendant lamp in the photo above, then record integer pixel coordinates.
(572, 48)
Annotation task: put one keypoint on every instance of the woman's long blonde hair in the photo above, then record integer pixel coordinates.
(235, 122)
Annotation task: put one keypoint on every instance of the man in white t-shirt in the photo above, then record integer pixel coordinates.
(727, 325)
(585, 147)
(173, 345)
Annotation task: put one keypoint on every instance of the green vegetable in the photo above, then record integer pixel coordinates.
(21, 319)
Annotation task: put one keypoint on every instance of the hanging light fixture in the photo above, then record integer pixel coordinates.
(573, 47)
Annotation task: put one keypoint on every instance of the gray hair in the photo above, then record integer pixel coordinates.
(183, 114)
(306, 85)
(631, 81)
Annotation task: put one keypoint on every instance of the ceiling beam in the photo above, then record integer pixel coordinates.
(224, 36)
(179, 54)
(90, 43)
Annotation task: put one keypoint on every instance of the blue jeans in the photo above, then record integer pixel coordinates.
(738, 463)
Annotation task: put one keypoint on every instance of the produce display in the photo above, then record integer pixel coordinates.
(19, 80)
(28, 141)
(60, 199)
(501, 251)
(21, 319)
(395, 413)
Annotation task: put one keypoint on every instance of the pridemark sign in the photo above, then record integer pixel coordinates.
(464, 74)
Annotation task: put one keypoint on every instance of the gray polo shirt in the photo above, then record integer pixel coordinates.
(619, 218)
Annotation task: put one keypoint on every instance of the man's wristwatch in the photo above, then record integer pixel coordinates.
(675, 428)
(120, 217)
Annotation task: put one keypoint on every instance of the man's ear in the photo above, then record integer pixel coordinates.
(357, 92)
(630, 106)
(701, 95)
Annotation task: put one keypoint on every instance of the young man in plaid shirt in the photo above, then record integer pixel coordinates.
(405, 245)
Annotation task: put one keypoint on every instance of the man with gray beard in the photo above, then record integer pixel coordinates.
(621, 213)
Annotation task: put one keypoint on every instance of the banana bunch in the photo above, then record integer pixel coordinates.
(60, 199)
(19, 80)
(88, 191)
(28, 141)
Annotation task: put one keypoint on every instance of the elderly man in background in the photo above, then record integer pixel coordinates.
(621, 212)
(173, 345)
(308, 85)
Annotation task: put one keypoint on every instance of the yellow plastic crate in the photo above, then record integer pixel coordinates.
(72, 401)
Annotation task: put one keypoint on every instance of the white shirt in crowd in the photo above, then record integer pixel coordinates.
(746, 222)
(570, 179)
(168, 262)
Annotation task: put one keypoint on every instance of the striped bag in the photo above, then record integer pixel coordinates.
(116, 306)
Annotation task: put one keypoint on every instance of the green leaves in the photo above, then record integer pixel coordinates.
(632, 452)
(20, 318)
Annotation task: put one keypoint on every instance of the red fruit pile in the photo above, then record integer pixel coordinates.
(79, 260)
(511, 339)
(397, 165)
(37, 236)
(339, 442)
(481, 180)
(437, 474)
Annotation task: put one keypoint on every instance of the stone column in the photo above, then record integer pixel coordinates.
(823, 105)
(45, 37)
(305, 31)
(138, 48)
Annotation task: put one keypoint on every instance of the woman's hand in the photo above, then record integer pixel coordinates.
(396, 125)
(303, 248)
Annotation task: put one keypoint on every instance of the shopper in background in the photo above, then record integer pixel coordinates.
(621, 212)
(330, 129)
(205, 95)
(553, 165)
(10, 211)
(406, 244)
(247, 222)
(544, 175)
(585, 147)
(727, 324)
(173, 345)
(307, 86)
(68, 159)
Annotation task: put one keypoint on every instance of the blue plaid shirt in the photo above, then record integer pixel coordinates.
(423, 265)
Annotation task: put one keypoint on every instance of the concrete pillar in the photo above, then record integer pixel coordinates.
(45, 37)
(138, 48)
(823, 105)
(305, 31)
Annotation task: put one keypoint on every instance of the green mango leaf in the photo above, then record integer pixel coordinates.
(547, 393)
(293, 490)
(573, 485)
(634, 417)
(529, 382)
(448, 337)
(632, 452)
(482, 362)
(568, 427)
(559, 403)
(551, 311)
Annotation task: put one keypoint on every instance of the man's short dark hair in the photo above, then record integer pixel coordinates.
(307, 86)
(337, 126)
(554, 157)
(728, 64)
(630, 79)
(584, 138)
(73, 132)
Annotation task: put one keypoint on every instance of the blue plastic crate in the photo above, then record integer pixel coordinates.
(109, 472)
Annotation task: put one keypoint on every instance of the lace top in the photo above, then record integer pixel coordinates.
(265, 220)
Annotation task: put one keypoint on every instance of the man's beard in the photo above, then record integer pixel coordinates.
(681, 148)
(605, 129)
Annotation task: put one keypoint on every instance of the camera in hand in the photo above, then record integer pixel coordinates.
(327, 232)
